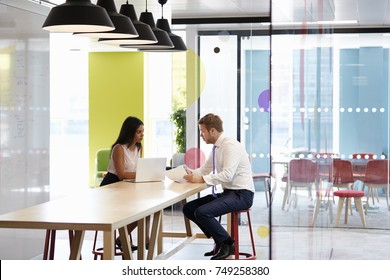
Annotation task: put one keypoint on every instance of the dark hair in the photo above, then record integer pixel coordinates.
(211, 121)
(127, 132)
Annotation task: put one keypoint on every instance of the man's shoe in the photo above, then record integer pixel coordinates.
(214, 251)
(224, 252)
(209, 253)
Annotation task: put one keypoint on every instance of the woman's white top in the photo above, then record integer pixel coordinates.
(131, 158)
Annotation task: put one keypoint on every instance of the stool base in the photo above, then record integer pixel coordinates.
(235, 235)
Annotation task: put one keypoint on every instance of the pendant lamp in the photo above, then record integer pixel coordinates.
(78, 16)
(163, 24)
(163, 39)
(124, 28)
(145, 33)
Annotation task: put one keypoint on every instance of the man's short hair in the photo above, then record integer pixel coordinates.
(211, 121)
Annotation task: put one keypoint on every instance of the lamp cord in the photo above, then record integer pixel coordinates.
(162, 2)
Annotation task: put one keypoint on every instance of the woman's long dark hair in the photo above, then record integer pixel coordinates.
(127, 132)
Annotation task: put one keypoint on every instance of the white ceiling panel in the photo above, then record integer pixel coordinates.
(364, 12)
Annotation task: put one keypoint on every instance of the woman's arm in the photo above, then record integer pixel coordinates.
(119, 162)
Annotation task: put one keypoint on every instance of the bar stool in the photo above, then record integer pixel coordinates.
(235, 217)
(50, 243)
(98, 252)
(345, 195)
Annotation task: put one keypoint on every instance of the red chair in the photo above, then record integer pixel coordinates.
(324, 161)
(331, 174)
(359, 164)
(302, 174)
(376, 176)
(341, 177)
(363, 156)
(342, 174)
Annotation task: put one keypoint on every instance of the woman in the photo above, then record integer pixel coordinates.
(125, 152)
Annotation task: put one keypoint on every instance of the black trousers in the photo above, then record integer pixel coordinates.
(203, 211)
(109, 179)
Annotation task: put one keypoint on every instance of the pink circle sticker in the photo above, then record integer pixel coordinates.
(194, 158)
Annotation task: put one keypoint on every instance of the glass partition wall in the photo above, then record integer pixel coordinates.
(313, 95)
(329, 106)
(303, 102)
(233, 82)
(329, 137)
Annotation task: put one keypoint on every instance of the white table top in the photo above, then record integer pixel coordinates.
(104, 209)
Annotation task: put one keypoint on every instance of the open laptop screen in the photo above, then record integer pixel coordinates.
(150, 170)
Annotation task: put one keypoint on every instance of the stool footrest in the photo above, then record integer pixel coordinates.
(247, 256)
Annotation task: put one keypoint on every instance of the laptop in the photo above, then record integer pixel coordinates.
(150, 170)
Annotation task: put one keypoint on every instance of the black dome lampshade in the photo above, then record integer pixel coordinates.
(163, 39)
(145, 33)
(78, 16)
(163, 24)
(177, 41)
(124, 27)
(162, 36)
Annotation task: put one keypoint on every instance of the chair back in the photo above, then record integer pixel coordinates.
(102, 160)
(342, 172)
(326, 155)
(303, 170)
(377, 172)
(363, 156)
(324, 162)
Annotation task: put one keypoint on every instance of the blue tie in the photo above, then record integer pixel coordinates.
(213, 186)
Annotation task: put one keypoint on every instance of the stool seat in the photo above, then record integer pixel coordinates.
(346, 195)
(235, 235)
(349, 193)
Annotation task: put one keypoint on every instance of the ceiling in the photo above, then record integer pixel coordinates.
(361, 13)
(197, 8)
(285, 13)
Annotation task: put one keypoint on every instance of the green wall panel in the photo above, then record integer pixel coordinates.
(116, 90)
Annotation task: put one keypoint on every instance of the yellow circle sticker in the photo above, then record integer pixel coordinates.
(263, 231)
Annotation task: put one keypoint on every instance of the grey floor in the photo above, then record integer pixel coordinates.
(290, 237)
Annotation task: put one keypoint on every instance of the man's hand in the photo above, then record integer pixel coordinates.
(193, 178)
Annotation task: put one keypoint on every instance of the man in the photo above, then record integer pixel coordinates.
(232, 169)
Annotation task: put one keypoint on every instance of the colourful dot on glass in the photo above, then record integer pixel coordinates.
(194, 158)
(192, 96)
(263, 231)
(263, 100)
